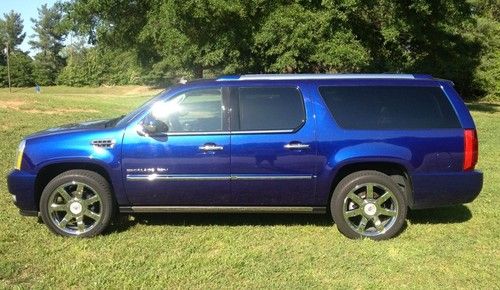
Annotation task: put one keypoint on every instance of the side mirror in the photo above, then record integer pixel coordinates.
(152, 128)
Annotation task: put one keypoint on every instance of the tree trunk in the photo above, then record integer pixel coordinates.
(198, 72)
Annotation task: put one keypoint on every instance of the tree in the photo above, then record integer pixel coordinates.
(487, 30)
(11, 29)
(297, 38)
(50, 33)
(21, 69)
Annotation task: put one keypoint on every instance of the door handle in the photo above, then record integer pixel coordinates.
(296, 146)
(211, 147)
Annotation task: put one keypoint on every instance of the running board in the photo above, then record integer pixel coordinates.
(222, 209)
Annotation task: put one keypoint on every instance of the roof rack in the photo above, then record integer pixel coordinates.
(319, 76)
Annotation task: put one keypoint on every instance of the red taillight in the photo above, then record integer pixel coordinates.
(470, 149)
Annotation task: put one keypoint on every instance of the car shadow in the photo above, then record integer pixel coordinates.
(484, 107)
(443, 215)
(446, 215)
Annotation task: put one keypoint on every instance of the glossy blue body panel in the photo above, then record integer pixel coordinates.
(254, 168)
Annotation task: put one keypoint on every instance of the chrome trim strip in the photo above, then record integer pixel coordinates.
(222, 209)
(197, 133)
(228, 132)
(263, 131)
(315, 77)
(177, 177)
(180, 177)
(271, 177)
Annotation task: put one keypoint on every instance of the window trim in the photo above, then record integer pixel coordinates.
(235, 112)
(318, 88)
(225, 101)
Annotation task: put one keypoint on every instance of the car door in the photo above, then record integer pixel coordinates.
(273, 149)
(190, 163)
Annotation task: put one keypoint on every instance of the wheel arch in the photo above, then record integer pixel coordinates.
(388, 167)
(49, 171)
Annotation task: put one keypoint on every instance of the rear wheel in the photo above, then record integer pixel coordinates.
(368, 204)
(77, 203)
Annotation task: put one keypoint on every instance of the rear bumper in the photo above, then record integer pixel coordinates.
(445, 189)
(22, 186)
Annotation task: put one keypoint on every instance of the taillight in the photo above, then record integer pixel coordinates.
(470, 149)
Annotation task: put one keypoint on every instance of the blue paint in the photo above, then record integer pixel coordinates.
(253, 168)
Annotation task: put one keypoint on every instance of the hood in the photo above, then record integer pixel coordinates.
(90, 125)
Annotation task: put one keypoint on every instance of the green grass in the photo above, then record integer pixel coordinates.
(456, 247)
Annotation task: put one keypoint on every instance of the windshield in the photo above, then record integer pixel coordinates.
(126, 118)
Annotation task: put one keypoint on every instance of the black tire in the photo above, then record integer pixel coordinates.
(381, 184)
(95, 187)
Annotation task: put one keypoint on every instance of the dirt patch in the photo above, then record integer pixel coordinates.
(141, 91)
(17, 106)
(12, 104)
(59, 111)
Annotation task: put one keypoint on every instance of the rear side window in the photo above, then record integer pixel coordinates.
(270, 108)
(389, 107)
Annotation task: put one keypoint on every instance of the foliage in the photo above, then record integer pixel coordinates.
(95, 67)
(21, 70)
(11, 30)
(487, 30)
(158, 41)
(50, 34)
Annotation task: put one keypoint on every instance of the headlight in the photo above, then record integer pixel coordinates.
(19, 154)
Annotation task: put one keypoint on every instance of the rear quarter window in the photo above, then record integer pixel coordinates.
(389, 107)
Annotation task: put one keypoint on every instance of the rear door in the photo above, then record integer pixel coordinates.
(273, 148)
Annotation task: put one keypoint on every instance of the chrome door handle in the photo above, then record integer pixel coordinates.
(211, 147)
(296, 146)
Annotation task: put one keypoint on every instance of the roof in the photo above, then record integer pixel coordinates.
(320, 77)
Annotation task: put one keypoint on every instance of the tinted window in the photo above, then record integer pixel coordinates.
(270, 108)
(193, 111)
(383, 107)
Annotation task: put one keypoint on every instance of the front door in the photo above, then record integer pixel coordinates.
(190, 164)
(273, 148)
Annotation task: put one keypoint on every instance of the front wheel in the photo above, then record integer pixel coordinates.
(77, 203)
(368, 204)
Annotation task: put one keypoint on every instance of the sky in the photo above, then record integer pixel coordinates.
(28, 10)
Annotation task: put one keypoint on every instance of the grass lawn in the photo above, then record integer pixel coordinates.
(456, 247)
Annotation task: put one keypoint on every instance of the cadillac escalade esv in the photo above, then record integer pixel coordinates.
(361, 147)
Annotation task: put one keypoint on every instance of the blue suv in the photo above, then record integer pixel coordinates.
(363, 148)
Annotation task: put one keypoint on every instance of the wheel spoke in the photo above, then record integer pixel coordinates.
(62, 224)
(64, 194)
(355, 198)
(79, 190)
(362, 224)
(387, 212)
(352, 213)
(92, 215)
(378, 224)
(58, 207)
(384, 197)
(369, 191)
(80, 224)
(93, 199)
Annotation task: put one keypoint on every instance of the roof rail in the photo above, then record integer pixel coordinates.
(319, 76)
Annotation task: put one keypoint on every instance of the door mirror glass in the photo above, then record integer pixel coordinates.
(152, 127)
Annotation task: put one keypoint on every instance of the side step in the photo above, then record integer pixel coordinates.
(222, 209)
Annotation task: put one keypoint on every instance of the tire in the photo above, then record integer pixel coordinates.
(77, 203)
(358, 212)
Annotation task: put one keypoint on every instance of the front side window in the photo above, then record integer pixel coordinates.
(389, 107)
(193, 111)
(270, 108)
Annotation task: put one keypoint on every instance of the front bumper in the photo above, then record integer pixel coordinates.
(21, 185)
(445, 189)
